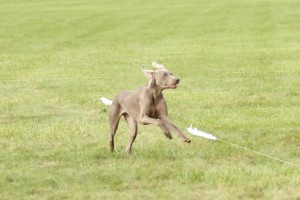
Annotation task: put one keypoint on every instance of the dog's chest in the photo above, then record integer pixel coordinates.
(154, 100)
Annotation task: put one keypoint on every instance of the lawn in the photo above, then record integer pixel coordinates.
(239, 66)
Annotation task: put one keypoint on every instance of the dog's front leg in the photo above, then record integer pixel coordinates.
(144, 118)
(169, 125)
(166, 131)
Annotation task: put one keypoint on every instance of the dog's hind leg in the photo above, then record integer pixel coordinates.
(132, 124)
(114, 118)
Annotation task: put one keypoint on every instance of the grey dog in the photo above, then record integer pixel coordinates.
(145, 105)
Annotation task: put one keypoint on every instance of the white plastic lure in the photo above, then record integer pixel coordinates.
(105, 101)
(196, 132)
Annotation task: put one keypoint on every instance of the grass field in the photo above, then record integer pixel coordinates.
(239, 64)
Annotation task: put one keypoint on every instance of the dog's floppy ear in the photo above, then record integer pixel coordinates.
(148, 73)
(158, 66)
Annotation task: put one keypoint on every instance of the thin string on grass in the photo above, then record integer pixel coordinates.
(199, 133)
(256, 152)
(196, 132)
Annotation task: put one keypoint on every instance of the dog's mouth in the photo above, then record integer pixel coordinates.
(173, 86)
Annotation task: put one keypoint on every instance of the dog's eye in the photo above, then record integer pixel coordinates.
(171, 74)
(165, 74)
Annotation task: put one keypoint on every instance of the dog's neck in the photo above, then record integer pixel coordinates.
(157, 89)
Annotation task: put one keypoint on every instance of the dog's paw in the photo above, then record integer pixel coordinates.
(187, 140)
(169, 136)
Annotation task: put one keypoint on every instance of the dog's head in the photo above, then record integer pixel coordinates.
(163, 77)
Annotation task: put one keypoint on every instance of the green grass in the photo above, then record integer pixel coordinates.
(239, 66)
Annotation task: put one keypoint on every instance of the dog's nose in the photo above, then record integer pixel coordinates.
(177, 81)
